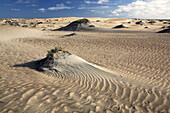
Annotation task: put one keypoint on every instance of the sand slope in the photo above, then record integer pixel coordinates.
(10, 32)
(137, 78)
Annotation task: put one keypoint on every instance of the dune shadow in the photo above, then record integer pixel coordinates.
(164, 31)
(32, 65)
(84, 25)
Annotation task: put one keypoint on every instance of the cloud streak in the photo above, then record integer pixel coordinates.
(150, 9)
(68, 2)
(23, 1)
(102, 1)
(99, 7)
(42, 9)
(59, 7)
(32, 5)
(93, 2)
(15, 9)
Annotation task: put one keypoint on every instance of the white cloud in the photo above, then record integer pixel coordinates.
(148, 9)
(32, 5)
(14, 9)
(98, 12)
(42, 9)
(90, 2)
(102, 1)
(93, 2)
(68, 2)
(59, 7)
(23, 1)
(99, 7)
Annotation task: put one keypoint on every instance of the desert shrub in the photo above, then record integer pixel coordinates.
(50, 53)
(152, 22)
(98, 20)
(139, 22)
(81, 21)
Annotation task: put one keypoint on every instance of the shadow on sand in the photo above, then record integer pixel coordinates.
(32, 65)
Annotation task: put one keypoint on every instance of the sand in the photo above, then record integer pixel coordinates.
(106, 72)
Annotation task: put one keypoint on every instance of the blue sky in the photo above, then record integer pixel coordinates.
(156, 9)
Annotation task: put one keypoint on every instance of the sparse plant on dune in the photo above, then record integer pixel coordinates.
(152, 22)
(50, 54)
(81, 21)
(139, 23)
(76, 25)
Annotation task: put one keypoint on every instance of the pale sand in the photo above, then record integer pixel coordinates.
(108, 72)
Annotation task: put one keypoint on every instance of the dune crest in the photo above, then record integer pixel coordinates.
(68, 67)
(78, 25)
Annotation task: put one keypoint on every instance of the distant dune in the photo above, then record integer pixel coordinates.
(165, 31)
(82, 25)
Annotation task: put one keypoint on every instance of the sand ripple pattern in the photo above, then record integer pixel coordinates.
(139, 82)
(89, 88)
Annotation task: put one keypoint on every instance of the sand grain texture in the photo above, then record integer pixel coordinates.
(106, 72)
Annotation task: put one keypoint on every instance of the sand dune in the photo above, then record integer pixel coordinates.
(105, 72)
(86, 25)
(81, 25)
(165, 31)
(118, 94)
(120, 26)
(11, 32)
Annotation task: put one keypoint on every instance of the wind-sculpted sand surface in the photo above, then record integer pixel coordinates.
(103, 72)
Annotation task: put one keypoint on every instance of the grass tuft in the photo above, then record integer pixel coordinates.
(50, 54)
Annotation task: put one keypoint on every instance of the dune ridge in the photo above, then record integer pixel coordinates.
(89, 76)
(127, 96)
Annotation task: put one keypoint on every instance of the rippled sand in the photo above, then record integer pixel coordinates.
(107, 72)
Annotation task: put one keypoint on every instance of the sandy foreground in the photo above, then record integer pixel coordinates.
(107, 72)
